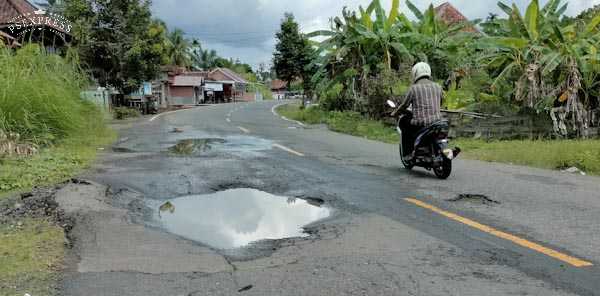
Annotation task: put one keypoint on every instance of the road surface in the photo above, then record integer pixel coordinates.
(523, 231)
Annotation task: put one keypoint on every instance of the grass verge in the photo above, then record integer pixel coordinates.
(30, 254)
(52, 165)
(546, 154)
(351, 123)
(40, 106)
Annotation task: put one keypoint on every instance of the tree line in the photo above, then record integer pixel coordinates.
(536, 62)
(121, 44)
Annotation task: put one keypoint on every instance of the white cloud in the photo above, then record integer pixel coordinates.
(244, 29)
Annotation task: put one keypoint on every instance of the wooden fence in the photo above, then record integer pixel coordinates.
(488, 126)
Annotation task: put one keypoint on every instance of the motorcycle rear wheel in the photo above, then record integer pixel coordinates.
(443, 171)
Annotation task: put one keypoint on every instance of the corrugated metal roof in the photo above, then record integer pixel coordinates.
(181, 80)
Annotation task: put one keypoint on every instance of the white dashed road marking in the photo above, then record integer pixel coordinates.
(244, 130)
(288, 150)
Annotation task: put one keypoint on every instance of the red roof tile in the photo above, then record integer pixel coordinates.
(10, 9)
(228, 74)
(450, 15)
(278, 84)
(183, 80)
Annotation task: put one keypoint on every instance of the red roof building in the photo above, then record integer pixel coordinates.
(183, 87)
(450, 15)
(21, 20)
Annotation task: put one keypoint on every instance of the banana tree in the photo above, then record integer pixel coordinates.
(359, 42)
(443, 45)
(366, 37)
(549, 64)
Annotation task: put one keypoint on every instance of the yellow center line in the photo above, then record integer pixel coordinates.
(517, 240)
(288, 150)
(244, 130)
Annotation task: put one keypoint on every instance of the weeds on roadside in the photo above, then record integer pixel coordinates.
(40, 102)
(40, 97)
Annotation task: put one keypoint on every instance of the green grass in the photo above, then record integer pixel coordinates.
(351, 123)
(547, 154)
(30, 255)
(40, 101)
(52, 165)
(40, 96)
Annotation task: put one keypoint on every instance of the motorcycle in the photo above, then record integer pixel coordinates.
(430, 148)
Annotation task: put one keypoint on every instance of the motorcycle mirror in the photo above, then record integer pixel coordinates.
(391, 103)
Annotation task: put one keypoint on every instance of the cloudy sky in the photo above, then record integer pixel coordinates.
(245, 29)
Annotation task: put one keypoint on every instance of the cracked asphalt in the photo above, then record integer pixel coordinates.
(375, 243)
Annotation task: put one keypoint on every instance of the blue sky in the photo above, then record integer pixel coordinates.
(245, 29)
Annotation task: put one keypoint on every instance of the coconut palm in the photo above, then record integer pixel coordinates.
(179, 48)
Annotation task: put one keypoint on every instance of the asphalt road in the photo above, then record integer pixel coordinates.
(393, 232)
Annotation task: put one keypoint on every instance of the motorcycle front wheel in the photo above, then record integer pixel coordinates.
(443, 171)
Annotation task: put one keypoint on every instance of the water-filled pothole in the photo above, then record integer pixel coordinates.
(193, 146)
(231, 144)
(235, 218)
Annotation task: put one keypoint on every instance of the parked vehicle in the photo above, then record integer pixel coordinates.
(430, 148)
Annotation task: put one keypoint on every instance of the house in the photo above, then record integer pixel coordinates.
(21, 22)
(279, 89)
(186, 89)
(177, 86)
(450, 16)
(224, 85)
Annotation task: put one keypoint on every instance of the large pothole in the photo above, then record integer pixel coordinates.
(193, 146)
(238, 217)
(230, 144)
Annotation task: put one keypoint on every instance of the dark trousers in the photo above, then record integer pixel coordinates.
(409, 135)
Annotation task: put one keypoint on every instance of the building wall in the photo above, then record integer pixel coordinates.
(181, 95)
(182, 91)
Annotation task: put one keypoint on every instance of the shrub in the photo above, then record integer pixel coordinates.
(125, 112)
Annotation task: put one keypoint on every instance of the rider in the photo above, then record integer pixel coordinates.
(426, 97)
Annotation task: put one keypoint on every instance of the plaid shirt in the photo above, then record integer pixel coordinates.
(426, 98)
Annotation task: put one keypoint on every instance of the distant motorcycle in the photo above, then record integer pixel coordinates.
(430, 148)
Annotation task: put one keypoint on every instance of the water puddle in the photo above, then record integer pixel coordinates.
(231, 144)
(194, 146)
(235, 218)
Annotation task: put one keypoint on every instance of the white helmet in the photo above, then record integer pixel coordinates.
(420, 70)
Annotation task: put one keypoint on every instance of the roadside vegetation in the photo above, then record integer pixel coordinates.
(31, 253)
(48, 134)
(536, 63)
(546, 154)
(351, 123)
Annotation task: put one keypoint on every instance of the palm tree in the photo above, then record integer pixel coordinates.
(179, 48)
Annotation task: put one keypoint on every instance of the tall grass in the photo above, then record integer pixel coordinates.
(39, 100)
(40, 97)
